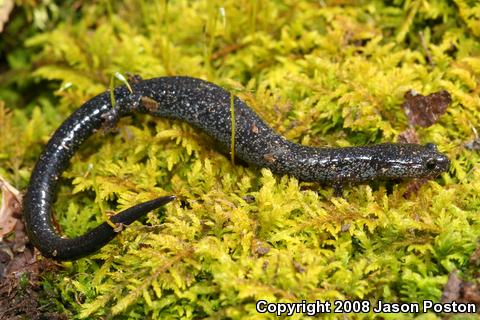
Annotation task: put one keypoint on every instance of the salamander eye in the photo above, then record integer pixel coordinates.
(430, 164)
(431, 146)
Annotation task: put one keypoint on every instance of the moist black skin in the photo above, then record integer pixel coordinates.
(206, 107)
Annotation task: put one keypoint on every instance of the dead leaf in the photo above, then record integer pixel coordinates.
(6, 6)
(452, 289)
(471, 293)
(413, 186)
(459, 290)
(408, 136)
(11, 208)
(425, 110)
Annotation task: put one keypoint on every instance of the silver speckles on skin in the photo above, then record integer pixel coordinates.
(207, 107)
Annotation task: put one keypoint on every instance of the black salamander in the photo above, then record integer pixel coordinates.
(206, 107)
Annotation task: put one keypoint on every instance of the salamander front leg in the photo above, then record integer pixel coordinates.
(337, 189)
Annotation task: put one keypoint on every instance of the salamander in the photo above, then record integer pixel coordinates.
(207, 107)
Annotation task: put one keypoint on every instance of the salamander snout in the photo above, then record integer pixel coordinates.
(436, 162)
(405, 161)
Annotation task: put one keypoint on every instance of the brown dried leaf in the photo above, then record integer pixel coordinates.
(408, 136)
(425, 110)
(452, 289)
(6, 6)
(471, 293)
(459, 290)
(413, 187)
(11, 207)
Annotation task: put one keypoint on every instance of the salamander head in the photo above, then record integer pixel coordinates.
(400, 161)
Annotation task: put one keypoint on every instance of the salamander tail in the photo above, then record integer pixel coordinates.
(133, 213)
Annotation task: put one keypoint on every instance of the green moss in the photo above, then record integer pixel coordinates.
(320, 74)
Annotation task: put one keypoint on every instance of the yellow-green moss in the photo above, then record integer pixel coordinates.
(321, 73)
